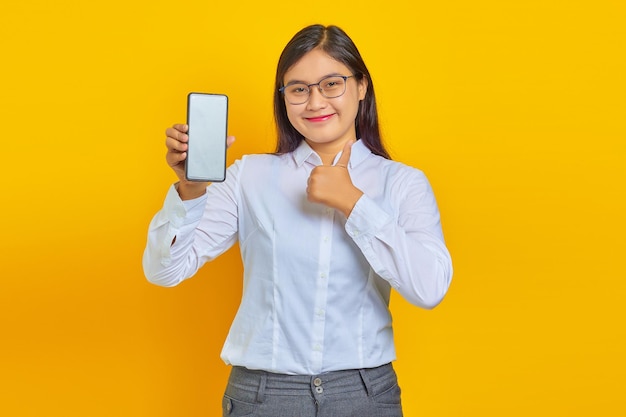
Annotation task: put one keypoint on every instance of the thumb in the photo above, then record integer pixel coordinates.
(345, 154)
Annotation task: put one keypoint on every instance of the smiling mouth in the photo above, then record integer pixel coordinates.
(320, 118)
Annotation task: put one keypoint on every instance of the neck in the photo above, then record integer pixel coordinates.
(327, 151)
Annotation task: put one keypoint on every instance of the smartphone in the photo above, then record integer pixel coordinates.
(207, 118)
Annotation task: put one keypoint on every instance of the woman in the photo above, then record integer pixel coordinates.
(326, 226)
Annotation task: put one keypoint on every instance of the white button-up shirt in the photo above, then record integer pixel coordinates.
(316, 285)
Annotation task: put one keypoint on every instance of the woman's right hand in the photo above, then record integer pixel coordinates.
(176, 144)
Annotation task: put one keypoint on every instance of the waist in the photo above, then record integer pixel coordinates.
(304, 337)
(335, 381)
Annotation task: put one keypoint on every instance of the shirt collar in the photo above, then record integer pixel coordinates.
(304, 152)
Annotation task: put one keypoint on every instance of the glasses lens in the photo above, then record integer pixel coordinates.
(333, 86)
(297, 93)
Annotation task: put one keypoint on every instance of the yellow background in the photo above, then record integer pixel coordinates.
(514, 109)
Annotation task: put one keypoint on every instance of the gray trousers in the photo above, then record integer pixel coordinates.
(353, 393)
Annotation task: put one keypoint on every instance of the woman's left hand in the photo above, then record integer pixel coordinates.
(331, 184)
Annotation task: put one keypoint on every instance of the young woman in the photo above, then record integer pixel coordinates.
(326, 226)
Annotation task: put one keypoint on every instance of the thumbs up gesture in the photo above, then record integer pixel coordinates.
(331, 184)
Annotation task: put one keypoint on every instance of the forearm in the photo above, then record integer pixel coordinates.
(167, 263)
(417, 267)
(185, 234)
(413, 257)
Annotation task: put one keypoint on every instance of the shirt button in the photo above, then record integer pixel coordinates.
(317, 382)
(323, 275)
(317, 347)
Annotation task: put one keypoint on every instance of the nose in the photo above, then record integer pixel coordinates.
(316, 99)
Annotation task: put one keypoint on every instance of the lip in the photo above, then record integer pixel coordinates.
(319, 119)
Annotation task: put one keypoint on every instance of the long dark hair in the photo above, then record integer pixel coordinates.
(338, 45)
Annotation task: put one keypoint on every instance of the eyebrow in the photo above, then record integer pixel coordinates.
(291, 82)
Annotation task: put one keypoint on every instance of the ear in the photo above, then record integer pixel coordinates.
(363, 84)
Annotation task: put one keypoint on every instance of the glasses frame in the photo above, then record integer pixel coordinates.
(319, 87)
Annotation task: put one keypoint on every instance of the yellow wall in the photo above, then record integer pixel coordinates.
(515, 110)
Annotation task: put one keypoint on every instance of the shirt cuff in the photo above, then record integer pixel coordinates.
(366, 218)
(179, 217)
(179, 212)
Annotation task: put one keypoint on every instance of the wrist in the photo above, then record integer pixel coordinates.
(188, 190)
(351, 201)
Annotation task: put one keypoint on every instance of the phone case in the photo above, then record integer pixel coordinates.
(207, 118)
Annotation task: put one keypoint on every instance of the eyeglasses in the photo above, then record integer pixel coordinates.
(330, 87)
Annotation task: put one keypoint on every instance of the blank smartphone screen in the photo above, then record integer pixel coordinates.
(207, 119)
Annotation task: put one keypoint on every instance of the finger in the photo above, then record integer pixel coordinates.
(175, 158)
(174, 145)
(345, 155)
(229, 141)
(178, 134)
(181, 127)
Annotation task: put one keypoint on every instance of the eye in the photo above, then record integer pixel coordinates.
(333, 83)
(298, 89)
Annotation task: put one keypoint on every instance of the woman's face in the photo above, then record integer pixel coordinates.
(326, 123)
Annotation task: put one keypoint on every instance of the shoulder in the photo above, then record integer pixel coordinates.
(258, 165)
(257, 161)
(262, 157)
(404, 183)
(396, 170)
